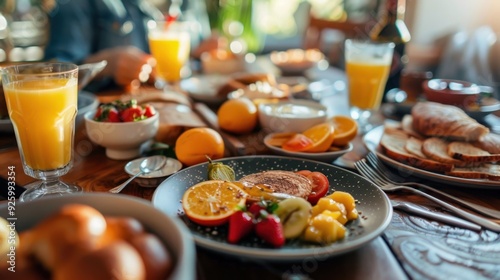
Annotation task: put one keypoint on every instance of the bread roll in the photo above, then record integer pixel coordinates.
(157, 260)
(118, 261)
(73, 230)
(120, 228)
(489, 143)
(438, 120)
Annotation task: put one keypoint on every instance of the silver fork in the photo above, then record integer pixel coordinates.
(383, 173)
(367, 171)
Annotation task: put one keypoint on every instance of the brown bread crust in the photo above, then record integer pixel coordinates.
(438, 120)
(393, 144)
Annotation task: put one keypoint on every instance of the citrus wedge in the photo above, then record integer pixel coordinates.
(210, 203)
(346, 129)
(322, 136)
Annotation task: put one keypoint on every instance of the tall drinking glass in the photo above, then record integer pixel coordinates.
(42, 104)
(367, 68)
(170, 45)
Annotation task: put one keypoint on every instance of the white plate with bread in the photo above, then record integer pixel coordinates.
(440, 143)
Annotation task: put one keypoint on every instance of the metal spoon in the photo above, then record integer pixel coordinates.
(148, 165)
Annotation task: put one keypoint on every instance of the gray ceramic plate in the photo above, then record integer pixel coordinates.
(373, 204)
(371, 141)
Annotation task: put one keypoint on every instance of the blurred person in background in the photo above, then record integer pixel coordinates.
(86, 31)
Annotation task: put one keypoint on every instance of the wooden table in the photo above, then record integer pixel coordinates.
(410, 248)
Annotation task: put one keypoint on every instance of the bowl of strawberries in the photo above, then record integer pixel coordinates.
(123, 127)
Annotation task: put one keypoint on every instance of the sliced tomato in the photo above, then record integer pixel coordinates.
(298, 143)
(320, 185)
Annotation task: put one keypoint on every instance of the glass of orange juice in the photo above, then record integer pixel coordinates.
(367, 66)
(170, 45)
(42, 104)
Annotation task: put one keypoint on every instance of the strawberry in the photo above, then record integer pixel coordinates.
(270, 229)
(149, 111)
(255, 208)
(240, 224)
(131, 114)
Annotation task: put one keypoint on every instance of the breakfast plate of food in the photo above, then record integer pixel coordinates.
(367, 211)
(440, 143)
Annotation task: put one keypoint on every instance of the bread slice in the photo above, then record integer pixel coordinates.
(414, 147)
(393, 144)
(407, 126)
(437, 149)
(490, 143)
(438, 120)
(486, 171)
(467, 152)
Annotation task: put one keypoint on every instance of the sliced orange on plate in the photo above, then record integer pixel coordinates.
(210, 203)
(346, 130)
(322, 136)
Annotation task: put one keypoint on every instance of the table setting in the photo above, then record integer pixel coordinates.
(426, 230)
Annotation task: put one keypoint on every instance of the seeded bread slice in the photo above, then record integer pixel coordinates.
(393, 144)
(470, 153)
(486, 171)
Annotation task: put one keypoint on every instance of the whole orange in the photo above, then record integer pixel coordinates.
(238, 116)
(194, 145)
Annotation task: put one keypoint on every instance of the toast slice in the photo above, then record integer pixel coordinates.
(486, 171)
(407, 126)
(414, 147)
(470, 153)
(437, 149)
(490, 143)
(393, 144)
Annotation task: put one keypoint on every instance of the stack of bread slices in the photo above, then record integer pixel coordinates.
(444, 139)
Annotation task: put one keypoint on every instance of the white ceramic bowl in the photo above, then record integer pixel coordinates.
(296, 61)
(152, 179)
(291, 115)
(123, 140)
(174, 234)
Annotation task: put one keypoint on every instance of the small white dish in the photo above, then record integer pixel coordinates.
(291, 115)
(122, 140)
(153, 179)
(327, 157)
(205, 88)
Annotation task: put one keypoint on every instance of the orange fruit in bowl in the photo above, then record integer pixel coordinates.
(346, 130)
(238, 116)
(322, 136)
(195, 144)
(210, 203)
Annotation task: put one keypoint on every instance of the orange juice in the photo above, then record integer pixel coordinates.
(171, 51)
(43, 113)
(366, 83)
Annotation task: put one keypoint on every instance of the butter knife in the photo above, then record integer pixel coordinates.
(441, 217)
